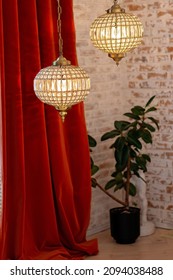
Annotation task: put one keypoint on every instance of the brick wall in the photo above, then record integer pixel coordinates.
(146, 71)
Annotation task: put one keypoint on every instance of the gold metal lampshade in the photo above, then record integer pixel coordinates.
(62, 85)
(116, 32)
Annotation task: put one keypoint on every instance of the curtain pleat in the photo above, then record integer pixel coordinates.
(46, 165)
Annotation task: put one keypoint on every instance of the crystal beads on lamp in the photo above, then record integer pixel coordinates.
(116, 32)
(62, 85)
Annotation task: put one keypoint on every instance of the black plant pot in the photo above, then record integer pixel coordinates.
(125, 224)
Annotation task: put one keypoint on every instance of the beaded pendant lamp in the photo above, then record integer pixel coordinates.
(61, 85)
(116, 32)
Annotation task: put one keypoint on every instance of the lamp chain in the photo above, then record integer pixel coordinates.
(59, 28)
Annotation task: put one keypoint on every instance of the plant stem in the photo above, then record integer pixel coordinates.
(113, 197)
(128, 183)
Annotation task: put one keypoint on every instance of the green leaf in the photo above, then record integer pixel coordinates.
(91, 162)
(152, 109)
(110, 134)
(144, 169)
(154, 121)
(116, 173)
(146, 136)
(150, 100)
(138, 110)
(125, 174)
(92, 141)
(135, 142)
(119, 178)
(121, 157)
(112, 146)
(149, 127)
(134, 167)
(121, 125)
(133, 124)
(136, 173)
(134, 133)
(141, 160)
(110, 184)
(93, 182)
(120, 142)
(132, 153)
(132, 190)
(132, 116)
(94, 170)
(146, 157)
(113, 174)
(141, 163)
(118, 187)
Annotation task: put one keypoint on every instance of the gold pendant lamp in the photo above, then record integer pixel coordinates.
(62, 85)
(116, 32)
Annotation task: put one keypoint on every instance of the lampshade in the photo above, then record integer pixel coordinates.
(62, 85)
(116, 32)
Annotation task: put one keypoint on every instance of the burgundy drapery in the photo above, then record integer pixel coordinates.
(46, 167)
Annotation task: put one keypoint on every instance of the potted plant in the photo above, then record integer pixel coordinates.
(128, 136)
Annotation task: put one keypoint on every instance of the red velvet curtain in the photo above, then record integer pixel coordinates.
(46, 166)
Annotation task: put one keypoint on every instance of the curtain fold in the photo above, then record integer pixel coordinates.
(46, 165)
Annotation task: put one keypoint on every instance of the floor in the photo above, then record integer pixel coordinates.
(157, 246)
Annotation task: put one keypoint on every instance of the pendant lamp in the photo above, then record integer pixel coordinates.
(116, 32)
(61, 85)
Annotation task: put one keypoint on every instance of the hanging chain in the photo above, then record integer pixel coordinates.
(59, 28)
(60, 61)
